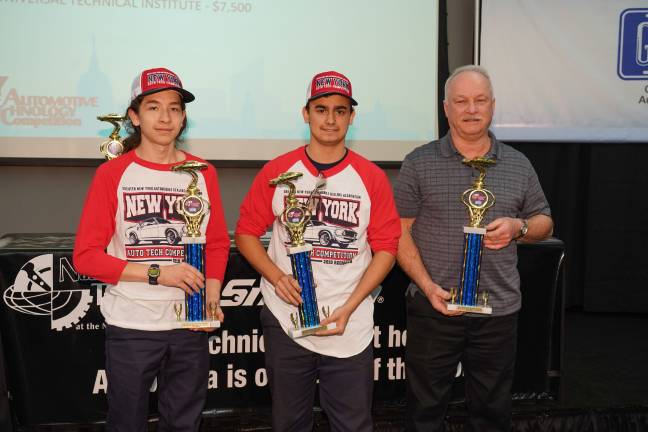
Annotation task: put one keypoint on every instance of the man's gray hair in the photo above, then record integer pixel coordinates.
(468, 68)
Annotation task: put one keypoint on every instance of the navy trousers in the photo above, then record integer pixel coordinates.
(345, 384)
(486, 347)
(134, 358)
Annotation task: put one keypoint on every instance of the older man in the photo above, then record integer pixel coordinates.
(428, 190)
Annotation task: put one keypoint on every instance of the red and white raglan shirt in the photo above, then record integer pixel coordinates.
(353, 216)
(130, 216)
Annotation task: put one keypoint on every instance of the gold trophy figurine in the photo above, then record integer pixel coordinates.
(114, 146)
(478, 199)
(192, 206)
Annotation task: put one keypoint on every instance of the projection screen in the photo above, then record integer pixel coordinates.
(248, 62)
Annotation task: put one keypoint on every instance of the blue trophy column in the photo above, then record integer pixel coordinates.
(473, 246)
(303, 272)
(195, 308)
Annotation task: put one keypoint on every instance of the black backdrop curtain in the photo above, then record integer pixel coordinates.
(596, 196)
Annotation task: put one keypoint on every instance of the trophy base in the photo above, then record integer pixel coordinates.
(308, 331)
(197, 324)
(486, 310)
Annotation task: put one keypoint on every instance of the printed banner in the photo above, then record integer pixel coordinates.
(53, 339)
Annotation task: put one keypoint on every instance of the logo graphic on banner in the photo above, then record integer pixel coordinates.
(633, 45)
(27, 110)
(34, 293)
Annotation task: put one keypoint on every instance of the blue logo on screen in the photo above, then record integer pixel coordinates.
(633, 45)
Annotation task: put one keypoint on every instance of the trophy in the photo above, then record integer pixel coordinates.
(468, 298)
(114, 146)
(295, 217)
(193, 207)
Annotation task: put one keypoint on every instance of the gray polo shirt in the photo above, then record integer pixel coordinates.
(429, 188)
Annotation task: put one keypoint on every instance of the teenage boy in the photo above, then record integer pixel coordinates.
(129, 237)
(354, 232)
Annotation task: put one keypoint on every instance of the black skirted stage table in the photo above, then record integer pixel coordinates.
(52, 339)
